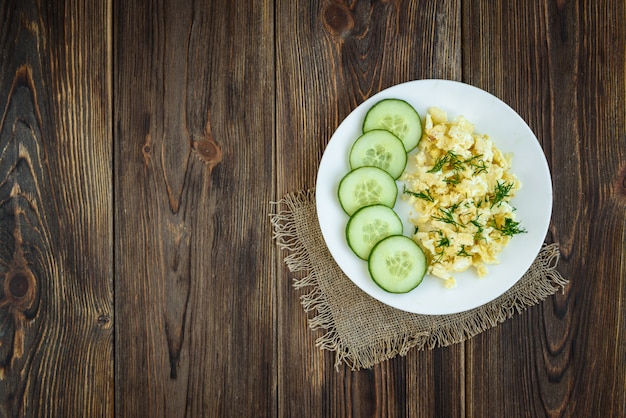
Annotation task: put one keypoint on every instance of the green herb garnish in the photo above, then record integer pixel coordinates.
(420, 195)
(463, 253)
(477, 164)
(443, 243)
(455, 179)
(501, 192)
(447, 215)
(510, 228)
(479, 227)
(439, 163)
(453, 162)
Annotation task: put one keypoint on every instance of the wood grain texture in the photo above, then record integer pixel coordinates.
(140, 146)
(56, 299)
(332, 56)
(555, 63)
(194, 124)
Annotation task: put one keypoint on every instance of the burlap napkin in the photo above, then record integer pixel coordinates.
(362, 331)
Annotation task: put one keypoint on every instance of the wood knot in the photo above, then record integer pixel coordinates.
(338, 19)
(208, 151)
(104, 321)
(19, 285)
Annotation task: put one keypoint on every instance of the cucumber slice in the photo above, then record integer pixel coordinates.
(398, 117)
(379, 148)
(365, 186)
(397, 264)
(368, 226)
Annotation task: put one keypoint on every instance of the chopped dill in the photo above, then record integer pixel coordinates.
(477, 164)
(501, 192)
(449, 159)
(447, 215)
(510, 227)
(480, 167)
(455, 179)
(440, 163)
(453, 162)
(420, 195)
(443, 243)
(463, 253)
(478, 235)
(456, 163)
(477, 224)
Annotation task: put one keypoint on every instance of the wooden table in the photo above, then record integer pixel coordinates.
(141, 143)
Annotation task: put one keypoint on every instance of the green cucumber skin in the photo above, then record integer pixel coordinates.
(392, 145)
(419, 277)
(404, 120)
(388, 214)
(377, 112)
(390, 200)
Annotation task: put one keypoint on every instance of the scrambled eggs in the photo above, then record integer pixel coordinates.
(460, 188)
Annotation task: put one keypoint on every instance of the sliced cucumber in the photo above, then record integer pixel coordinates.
(397, 264)
(398, 117)
(365, 186)
(369, 225)
(379, 148)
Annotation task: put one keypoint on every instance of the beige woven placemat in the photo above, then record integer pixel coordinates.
(363, 331)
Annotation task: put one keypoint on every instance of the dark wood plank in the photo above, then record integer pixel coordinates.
(557, 64)
(56, 299)
(194, 120)
(223, 106)
(332, 56)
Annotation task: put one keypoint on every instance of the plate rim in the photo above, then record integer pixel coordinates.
(479, 94)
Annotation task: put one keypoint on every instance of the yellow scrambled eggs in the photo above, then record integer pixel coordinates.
(460, 187)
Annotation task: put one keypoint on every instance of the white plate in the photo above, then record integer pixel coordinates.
(533, 201)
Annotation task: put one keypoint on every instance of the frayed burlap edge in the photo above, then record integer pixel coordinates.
(409, 330)
(542, 281)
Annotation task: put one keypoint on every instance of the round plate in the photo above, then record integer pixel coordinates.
(533, 201)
